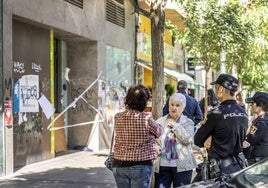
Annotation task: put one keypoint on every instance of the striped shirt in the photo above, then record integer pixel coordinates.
(135, 136)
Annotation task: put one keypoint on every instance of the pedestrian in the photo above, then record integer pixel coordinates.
(256, 143)
(176, 161)
(135, 141)
(226, 125)
(212, 101)
(239, 99)
(192, 109)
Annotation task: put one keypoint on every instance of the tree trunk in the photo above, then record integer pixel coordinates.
(157, 37)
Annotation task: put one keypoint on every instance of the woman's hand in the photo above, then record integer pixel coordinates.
(246, 144)
(158, 150)
(170, 123)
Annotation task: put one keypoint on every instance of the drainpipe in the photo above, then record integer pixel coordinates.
(52, 92)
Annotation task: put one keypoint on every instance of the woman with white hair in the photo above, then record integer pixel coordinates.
(176, 161)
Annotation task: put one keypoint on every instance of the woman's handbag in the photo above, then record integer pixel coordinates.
(109, 161)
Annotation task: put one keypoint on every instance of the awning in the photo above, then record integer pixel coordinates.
(178, 75)
(174, 73)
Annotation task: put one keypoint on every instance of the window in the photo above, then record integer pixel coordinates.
(115, 12)
(78, 3)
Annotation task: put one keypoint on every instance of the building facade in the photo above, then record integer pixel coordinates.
(177, 64)
(54, 51)
(66, 68)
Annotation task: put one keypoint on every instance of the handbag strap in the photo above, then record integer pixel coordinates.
(112, 143)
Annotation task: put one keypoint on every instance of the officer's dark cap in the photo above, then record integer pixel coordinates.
(258, 96)
(182, 84)
(227, 81)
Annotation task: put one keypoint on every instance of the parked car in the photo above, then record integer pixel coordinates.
(255, 175)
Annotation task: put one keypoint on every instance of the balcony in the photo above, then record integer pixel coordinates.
(174, 12)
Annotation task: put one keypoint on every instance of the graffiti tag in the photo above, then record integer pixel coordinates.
(18, 67)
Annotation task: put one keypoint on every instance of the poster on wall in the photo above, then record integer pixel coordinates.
(26, 94)
(101, 95)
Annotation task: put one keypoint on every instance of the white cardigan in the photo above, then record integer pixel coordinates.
(184, 131)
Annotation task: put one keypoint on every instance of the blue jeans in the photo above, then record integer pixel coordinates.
(138, 176)
(168, 175)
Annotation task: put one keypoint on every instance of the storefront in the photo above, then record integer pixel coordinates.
(174, 60)
(118, 75)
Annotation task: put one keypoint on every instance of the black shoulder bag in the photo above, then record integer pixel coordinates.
(109, 161)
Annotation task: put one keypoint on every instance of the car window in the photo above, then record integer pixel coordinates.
(255, 176)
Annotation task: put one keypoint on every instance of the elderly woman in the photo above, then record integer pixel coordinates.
(176, 160)
(135, 141)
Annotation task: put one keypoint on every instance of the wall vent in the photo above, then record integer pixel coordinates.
(115, 12)
(78, 3)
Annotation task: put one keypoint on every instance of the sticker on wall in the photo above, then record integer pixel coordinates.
(8, 119)
(66, 75)
(26, 94)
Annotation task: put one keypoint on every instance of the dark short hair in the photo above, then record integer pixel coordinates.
(137, 97)
(263, 104)
(182, 85)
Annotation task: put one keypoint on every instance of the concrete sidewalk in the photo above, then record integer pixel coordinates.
(73, 169)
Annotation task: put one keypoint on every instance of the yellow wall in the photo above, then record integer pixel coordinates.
(148, 82)
(144, 42)
(145, 27)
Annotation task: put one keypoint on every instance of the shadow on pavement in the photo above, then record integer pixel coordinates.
(66, 177)
(70, 169)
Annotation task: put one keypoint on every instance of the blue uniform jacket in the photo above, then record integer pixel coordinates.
(258, 137)
(227, 124)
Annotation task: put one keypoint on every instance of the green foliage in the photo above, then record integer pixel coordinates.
(169, 90)
(255, 74)
(231, 28)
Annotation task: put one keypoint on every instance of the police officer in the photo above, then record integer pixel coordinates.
(226, 125)
(256, 144)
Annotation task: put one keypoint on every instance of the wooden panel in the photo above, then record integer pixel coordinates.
(60, 141)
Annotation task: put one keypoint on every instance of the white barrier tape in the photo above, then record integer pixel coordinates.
(73, 104)
(75, 125)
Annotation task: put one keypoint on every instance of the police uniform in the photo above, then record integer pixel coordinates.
(258, 132)
(258, 139)
(227, 124)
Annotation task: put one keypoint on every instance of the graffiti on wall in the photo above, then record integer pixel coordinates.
(18, 67)
(45, 85)
(29, 143)
(8, 86)
(27, 122)
(26, 94)
(81, 105)
(36, 67)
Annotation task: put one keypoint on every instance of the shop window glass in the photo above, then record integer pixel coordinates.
(118, 79)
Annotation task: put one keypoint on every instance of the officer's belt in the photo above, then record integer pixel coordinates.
(226, 162)
(254, 160)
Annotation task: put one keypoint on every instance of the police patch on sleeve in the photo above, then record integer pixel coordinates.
(253, 129)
